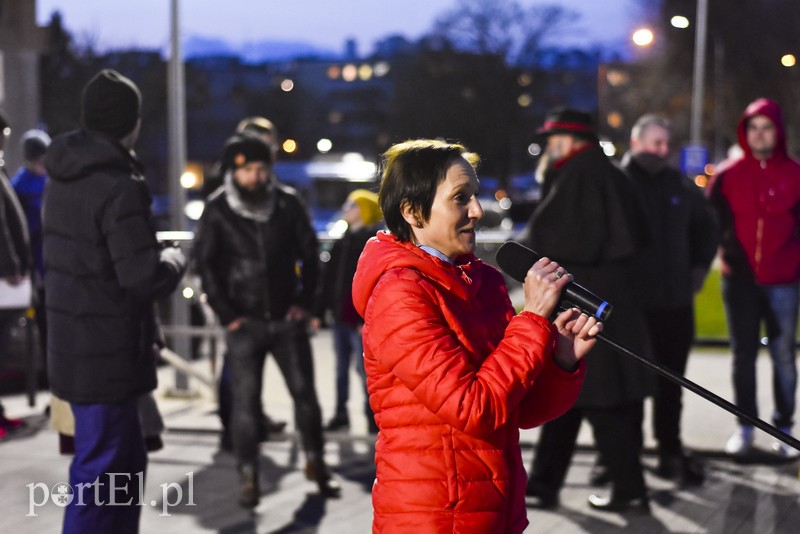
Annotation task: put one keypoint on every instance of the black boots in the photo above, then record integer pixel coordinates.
(317, 471)
(249, 492)
(338, 422)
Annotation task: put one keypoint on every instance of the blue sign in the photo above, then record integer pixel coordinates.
(694, 159)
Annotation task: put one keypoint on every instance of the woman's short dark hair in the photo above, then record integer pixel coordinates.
(411, 172)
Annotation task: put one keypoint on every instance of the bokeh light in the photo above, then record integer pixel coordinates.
(679, 21)
(643, 37)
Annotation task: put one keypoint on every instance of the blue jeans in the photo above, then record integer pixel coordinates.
(108, 443)
(347, 343)
(747, 306)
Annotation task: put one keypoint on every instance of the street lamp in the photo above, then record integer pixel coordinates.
(679, 21)
(699, 72)
(643, 37)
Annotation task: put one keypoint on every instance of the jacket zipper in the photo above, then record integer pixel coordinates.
(760, 227)
(263, 253)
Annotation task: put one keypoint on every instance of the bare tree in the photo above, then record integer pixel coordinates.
(501, 27)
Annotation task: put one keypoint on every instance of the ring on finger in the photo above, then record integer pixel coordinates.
(558, 273)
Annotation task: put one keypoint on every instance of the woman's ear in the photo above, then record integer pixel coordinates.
(409, 215)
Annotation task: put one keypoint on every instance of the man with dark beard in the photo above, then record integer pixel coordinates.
(672, 269)
(253, 235)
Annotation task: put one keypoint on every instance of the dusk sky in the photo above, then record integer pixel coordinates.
(145, 23)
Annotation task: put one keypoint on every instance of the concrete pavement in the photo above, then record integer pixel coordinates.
(191, 486)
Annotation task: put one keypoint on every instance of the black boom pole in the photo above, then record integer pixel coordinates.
(515, 260)
(703, 392)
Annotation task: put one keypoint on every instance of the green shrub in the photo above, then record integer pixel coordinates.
(709, 311)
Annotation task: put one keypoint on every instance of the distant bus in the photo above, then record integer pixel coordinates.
(325, 182)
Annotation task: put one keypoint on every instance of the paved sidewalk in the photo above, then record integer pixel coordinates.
(191, 486)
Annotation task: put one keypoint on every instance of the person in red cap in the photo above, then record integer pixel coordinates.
(589, 220)
(757, 200)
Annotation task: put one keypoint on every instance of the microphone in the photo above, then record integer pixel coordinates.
(515, 260)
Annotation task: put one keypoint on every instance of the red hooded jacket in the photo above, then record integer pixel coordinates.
(758, 204)
(452, 375)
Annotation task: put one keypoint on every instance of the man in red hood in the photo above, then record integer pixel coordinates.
(757, 200)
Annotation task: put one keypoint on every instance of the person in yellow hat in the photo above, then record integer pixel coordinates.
(363, 215)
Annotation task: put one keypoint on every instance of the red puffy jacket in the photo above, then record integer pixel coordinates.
(452, 375)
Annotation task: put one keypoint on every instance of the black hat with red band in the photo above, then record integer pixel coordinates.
(567, 121)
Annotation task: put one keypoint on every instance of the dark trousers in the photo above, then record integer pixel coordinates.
(109, 451)
(348, 345)
(671, 332)
(617, 433)
(748, 306)
(247, 350)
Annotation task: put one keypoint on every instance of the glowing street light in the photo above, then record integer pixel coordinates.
(643, 37)
(788, 60)
(679, 21)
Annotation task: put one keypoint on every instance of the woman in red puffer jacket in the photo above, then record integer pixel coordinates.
(452, 372)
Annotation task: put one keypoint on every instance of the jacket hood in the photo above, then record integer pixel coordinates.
(770, 109)
(73, 155)
(385, 251)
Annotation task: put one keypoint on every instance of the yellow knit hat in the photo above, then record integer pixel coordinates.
(367, 202)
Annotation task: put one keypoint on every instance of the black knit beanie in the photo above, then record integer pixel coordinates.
(110, 104)
(242, 149)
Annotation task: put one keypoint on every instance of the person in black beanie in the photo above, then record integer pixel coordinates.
(104, 271)
(111, 104)
(250, 241)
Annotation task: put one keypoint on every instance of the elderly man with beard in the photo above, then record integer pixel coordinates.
(253, 235)
(672, 269)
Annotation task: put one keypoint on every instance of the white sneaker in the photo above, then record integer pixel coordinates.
(782, 449)
(740, 443)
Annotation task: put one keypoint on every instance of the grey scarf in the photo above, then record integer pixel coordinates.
(257, 211)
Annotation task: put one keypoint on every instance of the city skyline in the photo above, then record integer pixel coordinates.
(324, 25)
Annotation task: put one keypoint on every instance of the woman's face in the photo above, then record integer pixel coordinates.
(454, 213)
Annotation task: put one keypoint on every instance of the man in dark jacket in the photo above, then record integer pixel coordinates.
(361, 213)
(671, 269)
(15, 261)
(589, 220)
(250, 241)
(757, 200)
(104, 271)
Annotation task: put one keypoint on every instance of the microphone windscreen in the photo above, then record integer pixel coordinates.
(515, 259)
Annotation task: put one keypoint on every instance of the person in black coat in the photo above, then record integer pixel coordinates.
(362, 213)
(590, 221)
(250, 240)
(671, 269)
(104, 271)
(15, 258)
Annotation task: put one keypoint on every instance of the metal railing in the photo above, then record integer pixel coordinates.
(211, 335)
